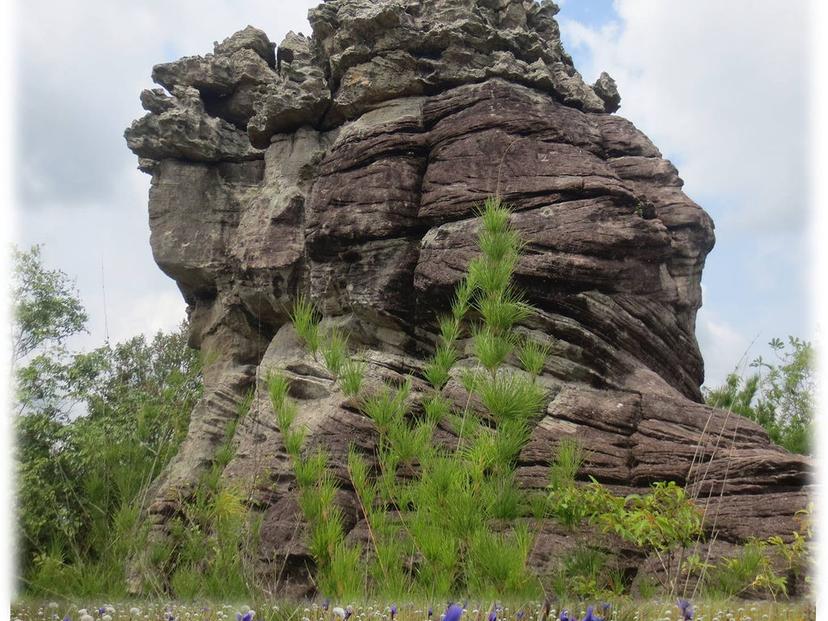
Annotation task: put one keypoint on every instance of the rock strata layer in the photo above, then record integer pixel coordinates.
(348, 165)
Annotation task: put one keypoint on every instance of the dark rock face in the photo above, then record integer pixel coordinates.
(349, 165)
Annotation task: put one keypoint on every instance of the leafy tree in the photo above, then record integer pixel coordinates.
(45, 304)
(779, 395)
(81, 478)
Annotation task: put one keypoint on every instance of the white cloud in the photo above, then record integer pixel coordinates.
(719, 86)
(724, 347)
(149, 314)
(723, 89)
(80, 67)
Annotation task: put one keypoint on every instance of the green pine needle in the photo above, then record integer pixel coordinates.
(510, 396)
(335, 351)
(532, 355)
(351, 376)
(492, 348)
(305, 319)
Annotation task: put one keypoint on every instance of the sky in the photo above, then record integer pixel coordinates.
(722, 89)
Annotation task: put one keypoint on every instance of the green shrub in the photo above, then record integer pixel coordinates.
(582, 574)
(750, 569)
(779, 396)
(662, 522)
(82, 479)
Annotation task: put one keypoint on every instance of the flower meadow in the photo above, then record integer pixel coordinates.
(467, 610)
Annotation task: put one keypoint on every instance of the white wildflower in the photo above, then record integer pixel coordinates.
(339, 612)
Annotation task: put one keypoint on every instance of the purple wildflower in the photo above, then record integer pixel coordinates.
(686, 609)
(589, 616)
(493, 615)
(326, 603)
(430, 612)
(520, 614)
(564, 616)
(453, 613)
(393, 611)
(348, 612)
(101, 611)
(248, 616)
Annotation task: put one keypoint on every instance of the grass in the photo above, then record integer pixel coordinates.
(409, 609)
(569, 457)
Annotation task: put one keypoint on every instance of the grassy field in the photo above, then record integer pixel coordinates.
(627, 610)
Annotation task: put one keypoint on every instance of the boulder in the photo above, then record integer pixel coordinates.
(349, 166)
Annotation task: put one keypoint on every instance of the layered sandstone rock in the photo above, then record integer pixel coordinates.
(348, 165)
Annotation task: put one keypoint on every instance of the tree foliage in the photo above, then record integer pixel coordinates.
(82, 471)
(45, 305)
(779, 395)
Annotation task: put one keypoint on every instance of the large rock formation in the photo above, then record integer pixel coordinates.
(349, 165)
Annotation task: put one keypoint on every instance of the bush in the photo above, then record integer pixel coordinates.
(779, 396)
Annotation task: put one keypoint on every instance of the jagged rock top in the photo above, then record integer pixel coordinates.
(361, 53)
